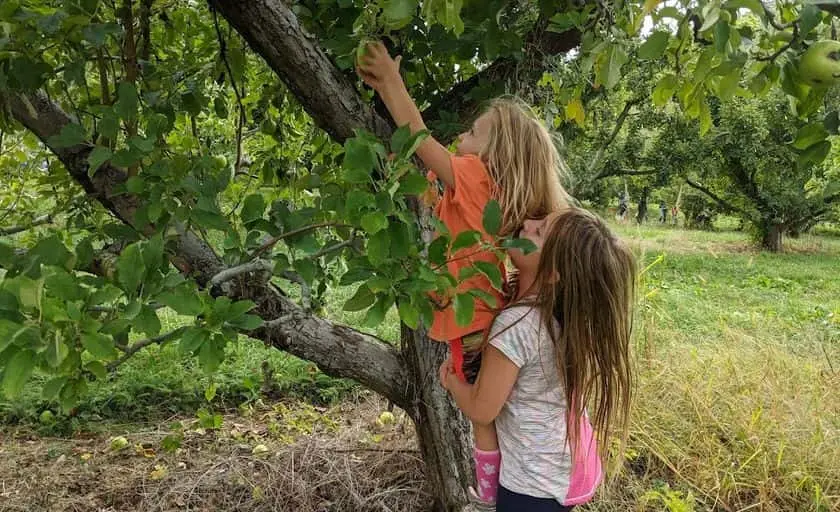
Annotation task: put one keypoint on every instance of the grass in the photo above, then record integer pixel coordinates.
(738, 366)
(738, 356)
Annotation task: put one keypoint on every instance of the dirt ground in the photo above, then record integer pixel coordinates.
(274, 457)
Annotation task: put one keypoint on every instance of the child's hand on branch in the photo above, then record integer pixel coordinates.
(377, 68)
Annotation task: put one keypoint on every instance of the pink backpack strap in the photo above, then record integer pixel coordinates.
(586, 466)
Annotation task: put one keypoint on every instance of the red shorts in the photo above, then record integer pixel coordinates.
(466, 355)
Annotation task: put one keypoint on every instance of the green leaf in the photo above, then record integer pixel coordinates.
(97, 369)
(29, 292)
(664, 90)
(192, 340)
(413, 143)
(374, 222)
(491, 271)
(810, 17)
(238, 309)
(130, 268)
(307, 269)
(413, 184)
(64, 286)
(809, 135)
(211, 219)
(705, 117)
(362, 299)
(211, 354)
(104, 295)
(492, 217)
(17, 372)
(109, 126)
(815, 153)
(488, 298)
(464, 306)
(57, 351)
(729, 84)
(609, 71)
(99, 345)
(97, 157)
(399, 139)
(654, 46)
(522, 244)
(184, 299)
(142, 144)
(359, 160)
(465, 239)
(438, 250)
(153, 252)
(721, 36)
(52, 388)
(376, 314)
(247, 322)
(210, 392)
(52, 251)
(147, 322)
(127, 102)
(8, 330)
(253, 208)
(71, 134)
(409, 314)
(7, 256)
(400, 239)
(84, 254)
(398, 13)
(378, 247)
(711, 16)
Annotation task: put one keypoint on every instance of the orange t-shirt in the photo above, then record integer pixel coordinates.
(461, 210)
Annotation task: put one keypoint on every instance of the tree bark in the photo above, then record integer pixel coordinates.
(273, 31)
(443, 432)
(771, 237)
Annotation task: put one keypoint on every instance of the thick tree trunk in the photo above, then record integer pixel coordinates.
(273, 31)
(771, 237)
(443, 432)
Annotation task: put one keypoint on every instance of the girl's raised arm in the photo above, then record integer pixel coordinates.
(380, 71)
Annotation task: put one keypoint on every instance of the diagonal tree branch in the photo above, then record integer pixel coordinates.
(619, 122)
(625, 172)
(273, 31)
(724, 204)
(339, 351)
(38, 221)
(540, 42)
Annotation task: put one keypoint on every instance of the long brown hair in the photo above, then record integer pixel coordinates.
(586, 281)
(523, 161)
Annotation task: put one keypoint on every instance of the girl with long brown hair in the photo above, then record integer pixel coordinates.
(559, 350)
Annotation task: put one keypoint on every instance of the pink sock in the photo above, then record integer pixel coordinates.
(487, 474)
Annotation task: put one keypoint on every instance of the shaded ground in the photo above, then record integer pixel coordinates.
(280, 457)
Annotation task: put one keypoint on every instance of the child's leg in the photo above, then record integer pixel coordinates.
(486, 451)
(487, 462)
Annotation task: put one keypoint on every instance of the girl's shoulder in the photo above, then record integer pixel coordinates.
(518, 317)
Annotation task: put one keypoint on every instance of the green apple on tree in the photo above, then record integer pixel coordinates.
(819, 66)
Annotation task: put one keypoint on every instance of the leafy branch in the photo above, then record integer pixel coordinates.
(268, 244)
(134, 348)
(11, 230)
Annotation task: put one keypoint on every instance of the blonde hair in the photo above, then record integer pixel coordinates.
(524, 163)
(586, 281)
